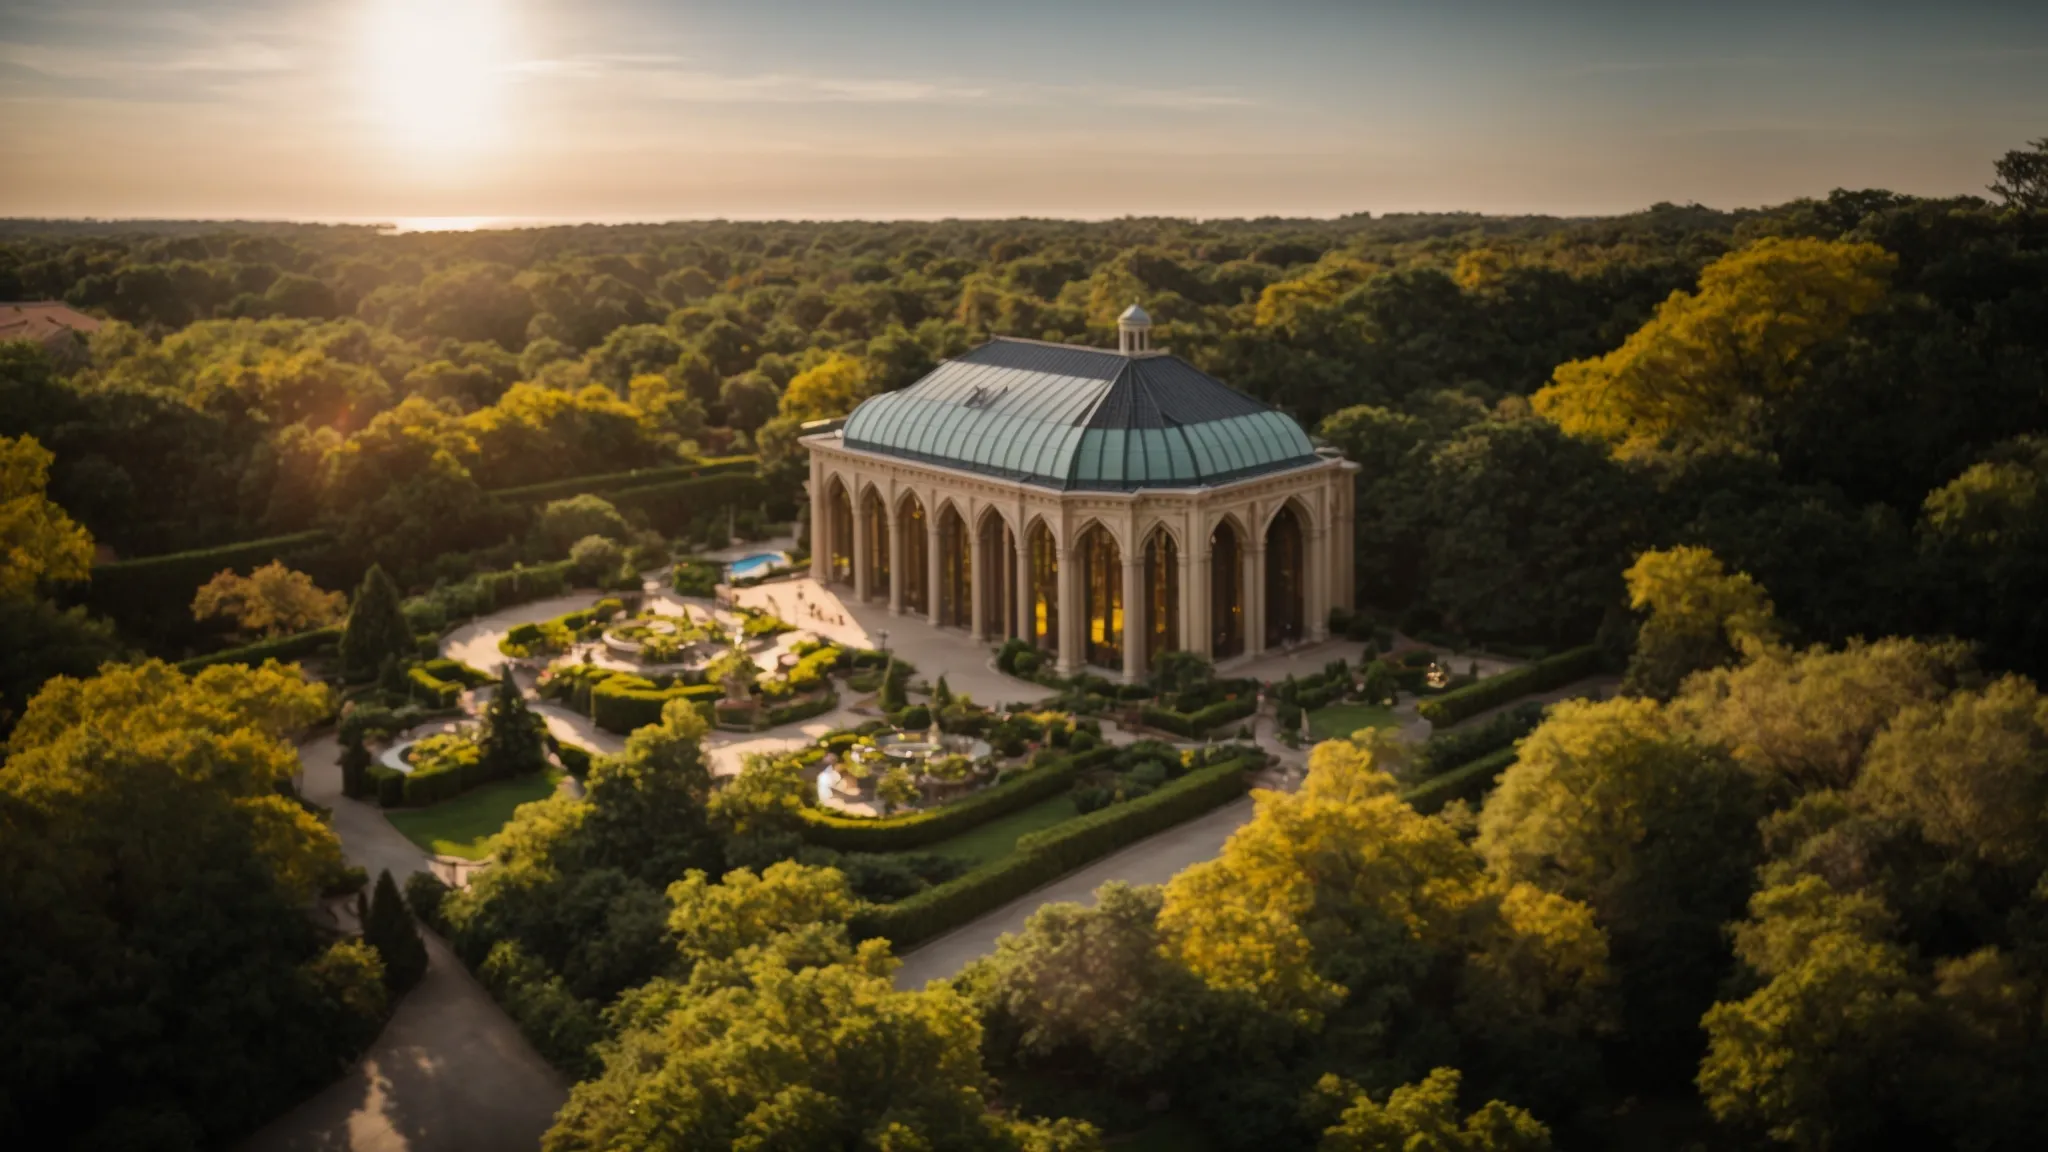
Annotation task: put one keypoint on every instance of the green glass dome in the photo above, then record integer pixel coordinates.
(1070, 417)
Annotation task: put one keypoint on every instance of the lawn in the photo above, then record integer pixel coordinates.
(464, 826)
(1338, 721)
(998, 837)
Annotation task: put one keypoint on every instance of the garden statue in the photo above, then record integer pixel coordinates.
(1437, 677)
(828, 783)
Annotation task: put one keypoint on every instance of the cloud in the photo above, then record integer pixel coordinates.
(666, 78)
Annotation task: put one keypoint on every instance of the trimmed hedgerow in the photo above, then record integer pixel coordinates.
(616, 481)
(320, 641)
(917, 829)
(1541, 676)
(1193, 724)
(1043, 857)
(671, 506)
(432, 689)
(1467, 782)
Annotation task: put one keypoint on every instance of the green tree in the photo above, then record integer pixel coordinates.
(648, 805)
(1424, 1118)
(514, 737)
(1821, 1055)
(2023, 176)
(1610, 804)
(270, 601)
(1699, 616)
(830, 389)
(154, 876)
(1095, 983)
(376, 630)
(563, 522)
(1706, 369)
(389, 928)
(595, 560)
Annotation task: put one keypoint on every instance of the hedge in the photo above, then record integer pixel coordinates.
(1460, 746)
(286, 648)
(431, 786)
(1193, 724)
(390, 784)
(1468, 782)
(917, 829)
(1493, 691)
(459, 672)
(624, 703)
(575, 759)
(671, 506)
(616, 481)
(441, 693)
(149, 589)
(1043, 857)
(802, 709)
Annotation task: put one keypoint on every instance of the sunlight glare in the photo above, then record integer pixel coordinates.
(437, 70)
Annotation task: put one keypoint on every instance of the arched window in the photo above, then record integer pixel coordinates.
(956, 571)
(1162, 595)
(1226, 593)
(1045, 589)
(1102, 577)
(910, 520)
(875, 525)
(998, 578)
(1285, 579)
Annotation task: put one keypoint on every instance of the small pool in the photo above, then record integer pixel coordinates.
(752, 565)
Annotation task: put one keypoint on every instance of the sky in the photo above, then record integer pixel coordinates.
(779, 109)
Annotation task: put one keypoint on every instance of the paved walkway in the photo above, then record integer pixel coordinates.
(1151, 861)
(450, 1072)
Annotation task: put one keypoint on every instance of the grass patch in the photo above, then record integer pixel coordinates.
(1339, 721)
(464, 825)
(998, 838)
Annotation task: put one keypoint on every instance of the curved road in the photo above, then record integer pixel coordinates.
(450, 1072)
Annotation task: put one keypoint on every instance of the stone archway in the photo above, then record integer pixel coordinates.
(916, 575)
(838, 533)
(1162, 595)
(1102, 598)
(1044, 597)
(1226, 591)
(874, 528)
(1286, 578)
(956, 570)
(998, 576)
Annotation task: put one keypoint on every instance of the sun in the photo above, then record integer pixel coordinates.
(436, 74)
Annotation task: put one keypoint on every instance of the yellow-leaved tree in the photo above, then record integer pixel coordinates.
(1702, 370)
(1700, 616)
(830, 389)
(37, 540)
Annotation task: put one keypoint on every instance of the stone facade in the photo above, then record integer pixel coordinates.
(1288, 534)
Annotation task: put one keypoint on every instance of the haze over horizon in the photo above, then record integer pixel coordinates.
(539, 110)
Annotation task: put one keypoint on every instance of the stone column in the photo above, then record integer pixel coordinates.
(932, 548)
(1023, 608)
(1071, 629)
(978, 576)
(863, 549)
(1193, 621)
(821, 523)
(1255, 596)
(1137, 602)
(1316, 600)
(895, 559)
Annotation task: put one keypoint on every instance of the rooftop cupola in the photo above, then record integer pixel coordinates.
(1133, 331)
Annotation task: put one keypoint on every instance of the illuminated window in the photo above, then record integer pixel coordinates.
(1103, 586)
(1045, 589)
(1162, 582)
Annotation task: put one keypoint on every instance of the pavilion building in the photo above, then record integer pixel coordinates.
(1105, 506)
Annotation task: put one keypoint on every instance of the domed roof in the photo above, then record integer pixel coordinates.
(1070, 417)
(1134, 315)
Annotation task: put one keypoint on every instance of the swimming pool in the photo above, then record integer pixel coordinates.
(753, 565)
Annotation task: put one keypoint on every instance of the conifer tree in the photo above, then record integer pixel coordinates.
(389, 928)
(376, 628)
(514, 738)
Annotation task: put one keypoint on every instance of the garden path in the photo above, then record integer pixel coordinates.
(450, 1071)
